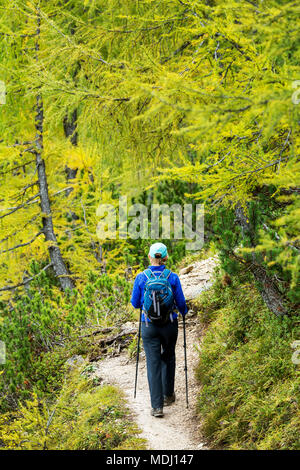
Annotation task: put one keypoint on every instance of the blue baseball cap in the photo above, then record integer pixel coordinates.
(158, 248)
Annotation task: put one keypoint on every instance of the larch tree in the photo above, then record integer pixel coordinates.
(150, 84)
(17, 51)
(217, 78)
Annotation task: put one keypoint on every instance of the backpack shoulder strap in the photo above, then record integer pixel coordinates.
(166, 273)
(148, 273)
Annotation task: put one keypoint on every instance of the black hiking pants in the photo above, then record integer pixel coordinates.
(159, 345)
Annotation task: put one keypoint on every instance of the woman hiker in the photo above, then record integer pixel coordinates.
(159, 341)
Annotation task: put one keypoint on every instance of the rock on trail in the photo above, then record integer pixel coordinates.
(197, 277)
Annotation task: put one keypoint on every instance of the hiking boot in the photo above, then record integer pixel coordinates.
(169, 400)
(157, 412)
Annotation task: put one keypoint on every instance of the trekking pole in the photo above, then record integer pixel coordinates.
(185, 363)
(138, 352)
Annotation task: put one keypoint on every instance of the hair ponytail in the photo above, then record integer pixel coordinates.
(160, 259)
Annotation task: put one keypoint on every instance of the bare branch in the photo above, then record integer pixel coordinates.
(26, 281)
(14, 209)
(22, 244)
(181, 48)
(16, 167)
(259, 169)
(286, 142)
(19, 230)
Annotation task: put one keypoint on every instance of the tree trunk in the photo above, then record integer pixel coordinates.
(266, 284)
(54, 251)
(70, 128)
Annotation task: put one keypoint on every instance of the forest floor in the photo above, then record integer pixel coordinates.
(179, 429)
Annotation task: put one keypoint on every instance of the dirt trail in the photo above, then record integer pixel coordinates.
(179, 429)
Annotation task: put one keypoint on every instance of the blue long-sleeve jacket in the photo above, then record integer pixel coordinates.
(137, 297)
